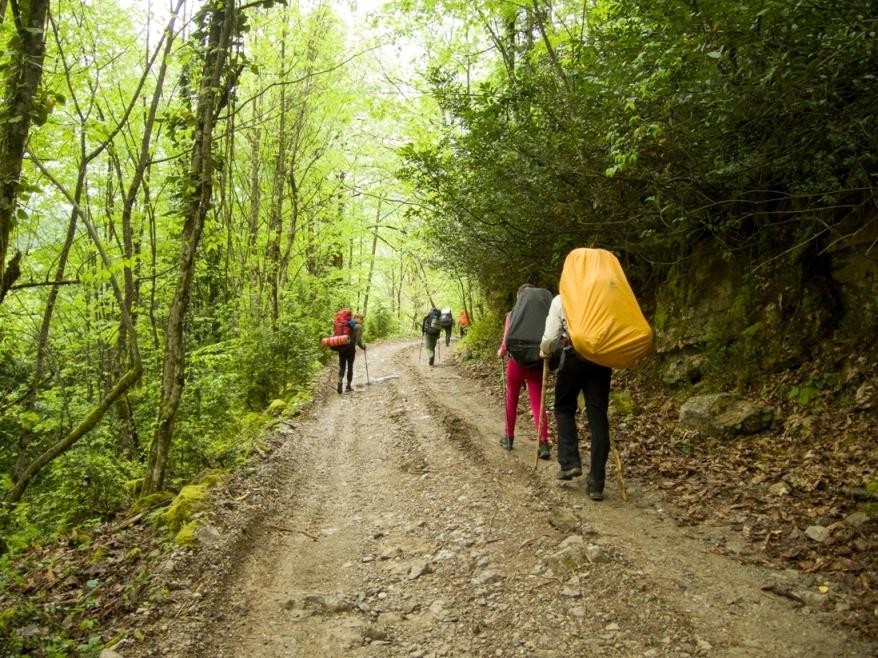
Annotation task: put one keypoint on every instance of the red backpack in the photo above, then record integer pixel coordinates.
(341, 331)
(343, 323)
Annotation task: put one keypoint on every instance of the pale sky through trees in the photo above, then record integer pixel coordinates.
(353, 12)
(349, 9)
(386, 63)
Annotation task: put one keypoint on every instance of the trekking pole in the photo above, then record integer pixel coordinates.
(438, 355)
(366, 363)
(420, 349)
(542, 409)
(618, 461)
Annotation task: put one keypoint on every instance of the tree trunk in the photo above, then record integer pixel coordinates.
(216, 81)
(93, 417)
(255, 205)
(46, 323)
(372, 257)
(293, 226)
(22, 82)
(153, 263)
(123, 410)
(275, 220)
(84, 427)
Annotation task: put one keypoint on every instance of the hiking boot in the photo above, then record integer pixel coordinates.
(339, 386)
(349, 388)
(544, 451)
(594, 491)
(431, 360)
(506, 442)
(569, 473)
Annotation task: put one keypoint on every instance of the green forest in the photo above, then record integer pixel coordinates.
(189, 190)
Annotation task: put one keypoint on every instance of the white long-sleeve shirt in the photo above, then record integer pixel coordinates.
(556, 321)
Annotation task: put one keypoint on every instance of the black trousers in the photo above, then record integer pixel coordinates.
(593, 381)
(346, 359)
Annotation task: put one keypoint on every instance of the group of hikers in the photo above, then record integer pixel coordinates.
(537, 313)
(347, 336)
(593, 325)
(435, 322)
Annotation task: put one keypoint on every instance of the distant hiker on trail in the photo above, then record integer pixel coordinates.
(347, 354)
(522, 332)
(446, 320)
(431, 329)
(463, 322)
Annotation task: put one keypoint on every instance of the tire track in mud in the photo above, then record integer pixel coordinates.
(316, 497)
(514, 478)
(406, 450)
(396, 526)
(667, 566)
(315, 584)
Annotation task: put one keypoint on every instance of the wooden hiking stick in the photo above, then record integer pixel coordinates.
(618, 461)
(366, 363)
(542, 409)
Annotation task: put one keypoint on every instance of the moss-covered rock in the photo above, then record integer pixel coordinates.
(746, 320)
(622, 403)
(211, 478)
(685, 368)
(695, 294)
(133, 487)
(152, 501)
(191, 499)
(187, 533)
(723, 414)
(277, 407)
(252, 424)
(855, 268)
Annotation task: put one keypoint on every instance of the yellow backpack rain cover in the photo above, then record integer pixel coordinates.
(604, 321)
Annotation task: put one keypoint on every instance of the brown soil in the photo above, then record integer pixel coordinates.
(389, 522)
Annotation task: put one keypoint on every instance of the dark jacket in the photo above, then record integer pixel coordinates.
(357, 336)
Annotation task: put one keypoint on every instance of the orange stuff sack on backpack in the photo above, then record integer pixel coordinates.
(604, 320)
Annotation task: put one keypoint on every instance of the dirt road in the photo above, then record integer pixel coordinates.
(389, 522)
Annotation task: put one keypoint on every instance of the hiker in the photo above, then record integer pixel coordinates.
(431, 329)
(577, 374)
(522, 331)
(347, 354)
(463, 322)
(446, 321)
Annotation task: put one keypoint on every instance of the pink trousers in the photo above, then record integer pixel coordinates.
(516, 377)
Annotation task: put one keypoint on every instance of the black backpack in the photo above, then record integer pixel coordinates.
(527, 321)
(431, 323)
(446, 320)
